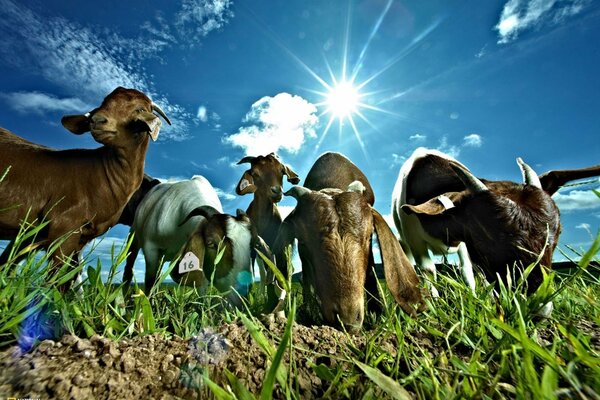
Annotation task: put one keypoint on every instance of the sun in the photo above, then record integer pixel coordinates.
(342, 100)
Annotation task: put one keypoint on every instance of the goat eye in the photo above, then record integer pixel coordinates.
(141, 110)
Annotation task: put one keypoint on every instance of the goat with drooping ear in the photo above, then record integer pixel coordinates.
(440, 205)
(81, 192)
(334, 228)
(236, 237)
(264, 179)
(188, 214)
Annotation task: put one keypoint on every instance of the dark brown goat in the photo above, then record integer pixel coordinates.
(128, 213)
(551, 181)
(438, 204)
(334, 227)
(81, 192)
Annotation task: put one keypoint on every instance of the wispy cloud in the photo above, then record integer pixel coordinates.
(39, 103)
(576, 200)
(88, 63)
(417, 137)
(445, 147)
(223, 195)
(397, 159)
(520, 15)
(276, 123)
(472, 140)
(197, 18)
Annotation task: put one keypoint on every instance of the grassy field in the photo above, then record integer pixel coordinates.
(464, 346)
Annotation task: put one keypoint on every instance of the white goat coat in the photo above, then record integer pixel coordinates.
(157, 219)
(415, 242)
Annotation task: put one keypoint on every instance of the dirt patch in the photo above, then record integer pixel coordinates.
(154, 367)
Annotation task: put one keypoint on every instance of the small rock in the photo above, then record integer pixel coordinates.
(70, 340)
(127, 363)
(88, 353)
(81, 380)
(170, 376)
(112, 349)
(106, 360)
(83, 345)
(46, 345)
(96, 339)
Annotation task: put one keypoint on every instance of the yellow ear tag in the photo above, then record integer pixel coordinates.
(189, 263)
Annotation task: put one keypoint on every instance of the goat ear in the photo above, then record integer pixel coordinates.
(292, 177)
(76, 124)
(399, 273)
(245, 185)
(435, 206)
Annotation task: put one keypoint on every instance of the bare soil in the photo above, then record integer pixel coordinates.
(157, 367)
(154, 367)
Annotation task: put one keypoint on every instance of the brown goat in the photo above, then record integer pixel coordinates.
(333, 170)
(265, 180)
(81, 192)
(334, 227)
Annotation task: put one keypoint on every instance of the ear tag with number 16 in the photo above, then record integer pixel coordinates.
(189, 263)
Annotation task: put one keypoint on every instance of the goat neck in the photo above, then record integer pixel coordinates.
(264, 215)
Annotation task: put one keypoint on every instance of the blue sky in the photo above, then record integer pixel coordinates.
(484, 81)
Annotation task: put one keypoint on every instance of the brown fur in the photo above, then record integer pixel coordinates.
(81, 192)
(334, 170)
(552, 180)
(334, 229)
(265, 178)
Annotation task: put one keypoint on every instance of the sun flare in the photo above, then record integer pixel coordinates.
(342, 100)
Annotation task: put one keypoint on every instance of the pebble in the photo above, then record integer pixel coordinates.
(46, 345)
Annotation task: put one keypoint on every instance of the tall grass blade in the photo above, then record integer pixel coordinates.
(276, 369)
(390, 386)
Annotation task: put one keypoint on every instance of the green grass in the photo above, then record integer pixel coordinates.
(464, 345)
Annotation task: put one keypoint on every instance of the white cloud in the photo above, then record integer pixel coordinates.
(451, 150)
(223, 195)
(197, 18)
(202, 114)
(417, 137)
(397, 159)
(454, 115)
(583, 226)
(519, 15)
(276, 123)
(576, 200)
(88, 63)
(472, 140)
(39, 103)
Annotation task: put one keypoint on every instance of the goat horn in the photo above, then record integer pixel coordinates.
(356, 186)
(161, 113)
(247, 159)
(297, 192)
(469, 180)
(205, 211)
(529, 175)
